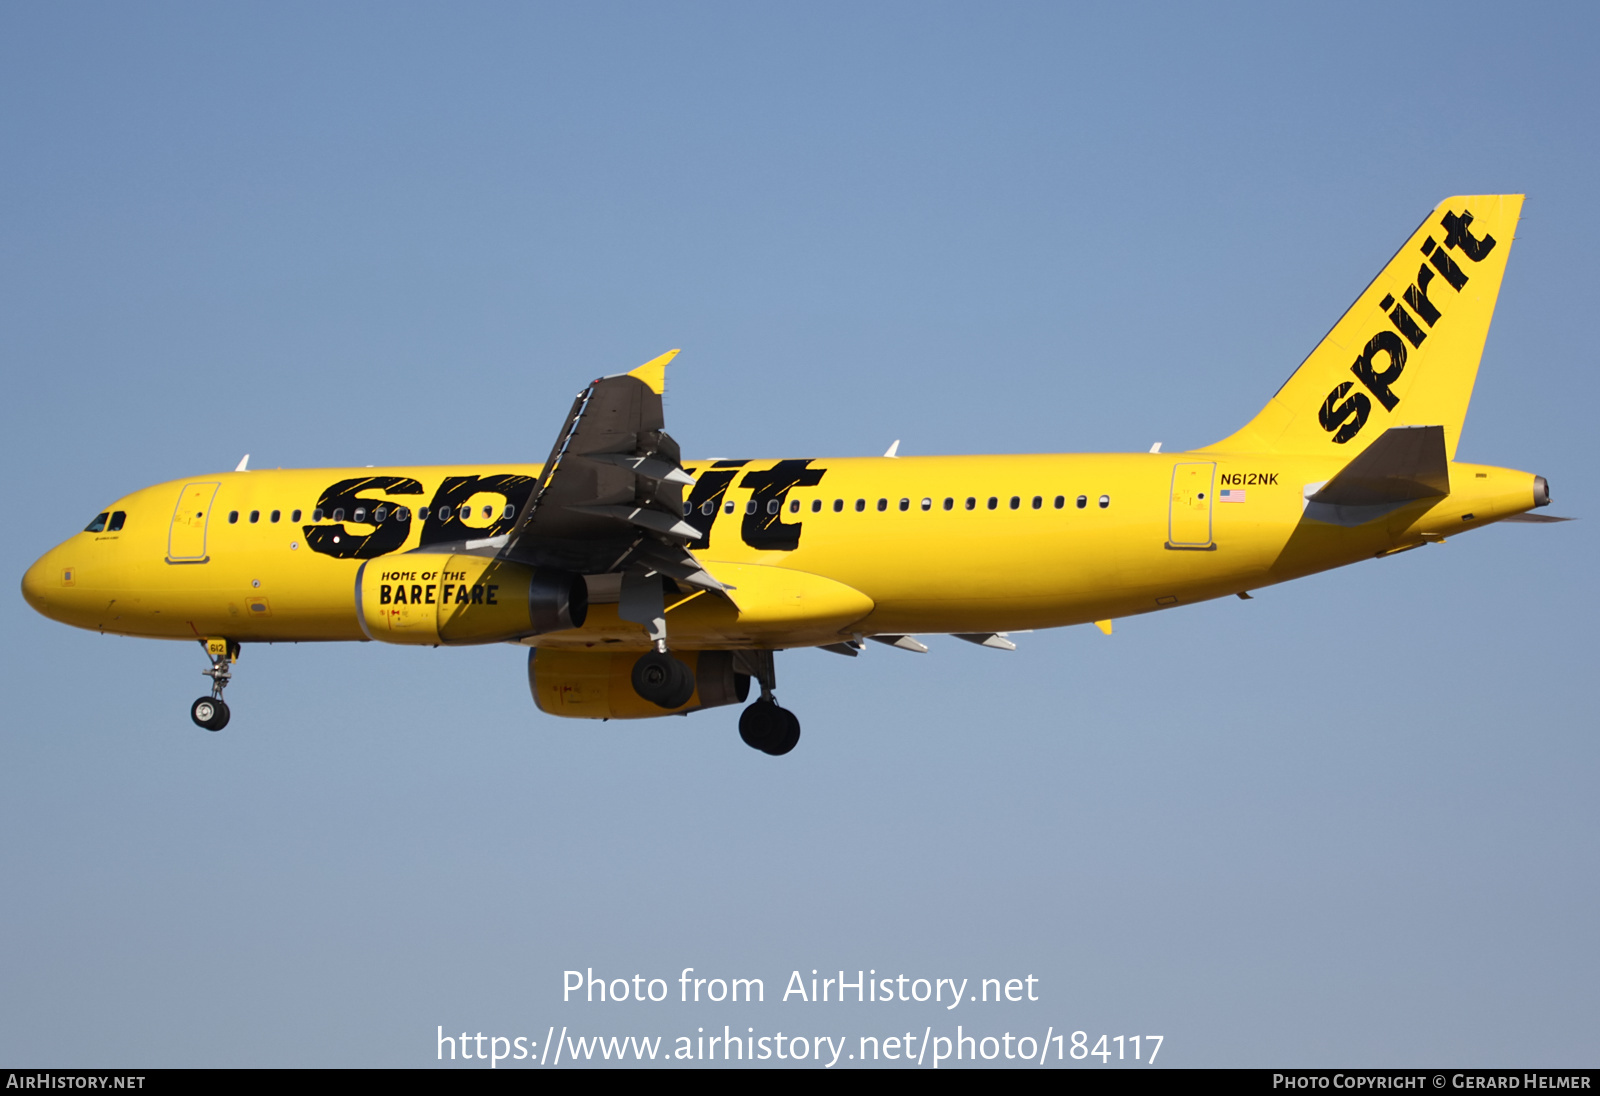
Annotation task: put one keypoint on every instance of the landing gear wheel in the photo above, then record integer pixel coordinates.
(766, 727)
(210, 713)
(663, 680)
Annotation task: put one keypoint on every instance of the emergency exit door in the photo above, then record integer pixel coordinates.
(1189, 517)
(186, 540)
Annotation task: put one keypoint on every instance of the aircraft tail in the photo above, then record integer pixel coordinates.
(1406, 352)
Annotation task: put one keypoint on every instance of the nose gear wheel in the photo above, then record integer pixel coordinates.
(211, 712)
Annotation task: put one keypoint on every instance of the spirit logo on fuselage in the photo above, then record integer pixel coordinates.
(763, 527)
(1345, 412)
(445, 519)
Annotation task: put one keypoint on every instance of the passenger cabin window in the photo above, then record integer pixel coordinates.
(949, 504)
(905, 504)
(488, 512)
(1083, 500)
(233, 517)
(381, 514)
(750, 507)
(838, 505)
(402, 514)
(1105, 500)
(883, 504)
(338, 514)
(972, 503)
(98, 525)
(1061, 500)
(794, 506)
(816, 506)
(316, 515)
(510, 512)
(927, 504)
(294, 515)
(274, 516)
(861, 504)
(728, 507)
(1015, 502)
(360, 514)
(773, 506)
(1037, 502)
(117, 518)
(994, 503)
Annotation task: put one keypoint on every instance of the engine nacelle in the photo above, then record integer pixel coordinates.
(436, 599)
(599, 684)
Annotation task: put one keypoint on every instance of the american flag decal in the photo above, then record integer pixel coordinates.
(1232, 495)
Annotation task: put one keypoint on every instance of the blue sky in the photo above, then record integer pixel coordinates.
(1350, 821)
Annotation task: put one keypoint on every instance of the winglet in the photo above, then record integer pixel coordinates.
(243, 461)
(1104, 626)
(654, 372)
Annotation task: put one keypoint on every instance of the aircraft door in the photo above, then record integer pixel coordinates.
(1189, 518)
(186, 540)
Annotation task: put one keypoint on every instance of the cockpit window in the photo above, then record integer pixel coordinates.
(117, 518)
(98, 525)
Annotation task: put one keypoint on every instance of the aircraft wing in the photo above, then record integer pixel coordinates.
(611, 495)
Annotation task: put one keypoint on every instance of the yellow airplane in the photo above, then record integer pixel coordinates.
(646, 585)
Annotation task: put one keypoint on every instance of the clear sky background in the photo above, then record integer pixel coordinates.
(1352, 821)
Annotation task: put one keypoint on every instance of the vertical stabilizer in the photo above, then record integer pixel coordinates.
(1406, 353)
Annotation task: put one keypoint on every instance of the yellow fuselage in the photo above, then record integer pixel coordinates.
(879, 546)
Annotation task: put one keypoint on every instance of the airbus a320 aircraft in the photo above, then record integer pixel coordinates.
(647, 585)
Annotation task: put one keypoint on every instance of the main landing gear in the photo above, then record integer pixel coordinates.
(669, 683)
(769, 728)
(765, 726)
(211, 712)
(663, 680)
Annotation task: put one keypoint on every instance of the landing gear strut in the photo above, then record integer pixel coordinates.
(765, 726)
(211, 712)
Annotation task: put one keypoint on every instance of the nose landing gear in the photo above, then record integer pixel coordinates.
(211, 712)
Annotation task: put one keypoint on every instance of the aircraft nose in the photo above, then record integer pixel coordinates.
(42, 580)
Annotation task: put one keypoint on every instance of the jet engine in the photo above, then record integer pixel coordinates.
(457, 599)
(599, 684)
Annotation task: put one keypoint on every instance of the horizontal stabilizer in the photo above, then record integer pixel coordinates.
(1535, 519)
(1404, 463)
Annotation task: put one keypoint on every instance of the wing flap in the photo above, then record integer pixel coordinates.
(613, 485)
(645, 518)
